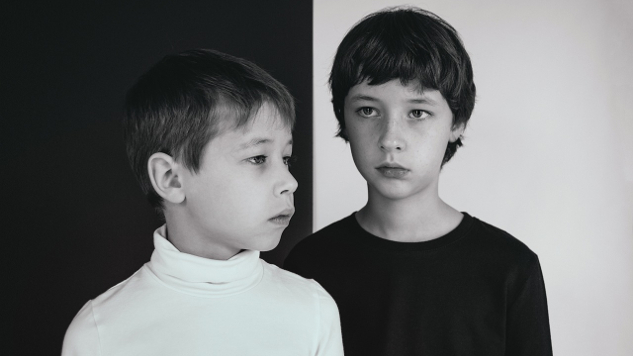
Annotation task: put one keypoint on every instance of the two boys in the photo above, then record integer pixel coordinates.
(209, 137)
(410, 274)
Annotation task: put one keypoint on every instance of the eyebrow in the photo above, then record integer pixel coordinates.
(258, 141)
(420, 100)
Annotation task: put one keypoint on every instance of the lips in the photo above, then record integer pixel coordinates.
(282, 218)
(392, 170)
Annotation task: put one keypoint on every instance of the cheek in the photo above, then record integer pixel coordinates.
(364, 157)
(360, 135)
(359, 147)
(214, 189)
(430, 151)
(235, 200)
(240, 189)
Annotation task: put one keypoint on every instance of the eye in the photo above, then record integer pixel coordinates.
(367, 111)
(419, 114)
(289, 160)
(257, 160)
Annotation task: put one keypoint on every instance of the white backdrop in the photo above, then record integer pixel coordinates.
(548, 153)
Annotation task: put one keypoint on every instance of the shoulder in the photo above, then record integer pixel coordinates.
(498, 242)
(294, 285)
(117, 301)
(303, 286)
(308, 303)
(297, 291)
(502, 252)
(124, 290)
(82, 336)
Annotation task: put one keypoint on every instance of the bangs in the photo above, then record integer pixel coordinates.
(396, 52)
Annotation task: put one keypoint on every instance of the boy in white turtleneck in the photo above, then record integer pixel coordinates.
(209, 138)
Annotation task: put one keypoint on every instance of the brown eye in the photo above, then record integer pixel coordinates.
(419, 114)
(367, 111)
(257, 160)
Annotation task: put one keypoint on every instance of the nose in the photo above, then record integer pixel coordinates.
(287, 183)
(391, 137)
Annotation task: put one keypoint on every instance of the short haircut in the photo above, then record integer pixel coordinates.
(409, 44)
(185, 100)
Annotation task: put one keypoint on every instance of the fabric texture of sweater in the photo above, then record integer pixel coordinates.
(474, 291)
(181, 304)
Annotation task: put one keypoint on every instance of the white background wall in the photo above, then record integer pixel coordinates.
(548, 154)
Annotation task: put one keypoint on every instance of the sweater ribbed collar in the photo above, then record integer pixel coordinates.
(202, 276)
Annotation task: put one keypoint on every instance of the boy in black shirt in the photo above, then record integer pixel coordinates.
(410, 274)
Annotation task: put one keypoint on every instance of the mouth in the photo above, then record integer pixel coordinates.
(392, 170)
(282, 218)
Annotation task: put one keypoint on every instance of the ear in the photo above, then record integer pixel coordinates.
(456, 132)
(163, 172)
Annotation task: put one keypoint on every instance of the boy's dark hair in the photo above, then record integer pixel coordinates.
(185, 100)
(409, 44)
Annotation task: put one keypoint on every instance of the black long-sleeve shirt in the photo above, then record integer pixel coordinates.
(474, 291)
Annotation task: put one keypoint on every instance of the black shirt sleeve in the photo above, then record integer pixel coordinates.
(527, 330)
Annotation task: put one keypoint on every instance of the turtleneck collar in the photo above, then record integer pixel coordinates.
(202, 276)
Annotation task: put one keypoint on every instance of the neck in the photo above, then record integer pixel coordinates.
(187, 239)
(421, 217)
(203, 276)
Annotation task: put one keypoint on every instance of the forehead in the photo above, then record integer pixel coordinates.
(393, 90)
(266, 118)
(228, 117)
(266, 126)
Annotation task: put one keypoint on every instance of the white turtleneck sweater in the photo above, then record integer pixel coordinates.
(181, 304)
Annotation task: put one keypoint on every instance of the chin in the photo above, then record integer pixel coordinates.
(393, 191)
(267, 243)
(394, 195)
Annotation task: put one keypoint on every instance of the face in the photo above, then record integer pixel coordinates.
(398, 135)
(242, 196)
